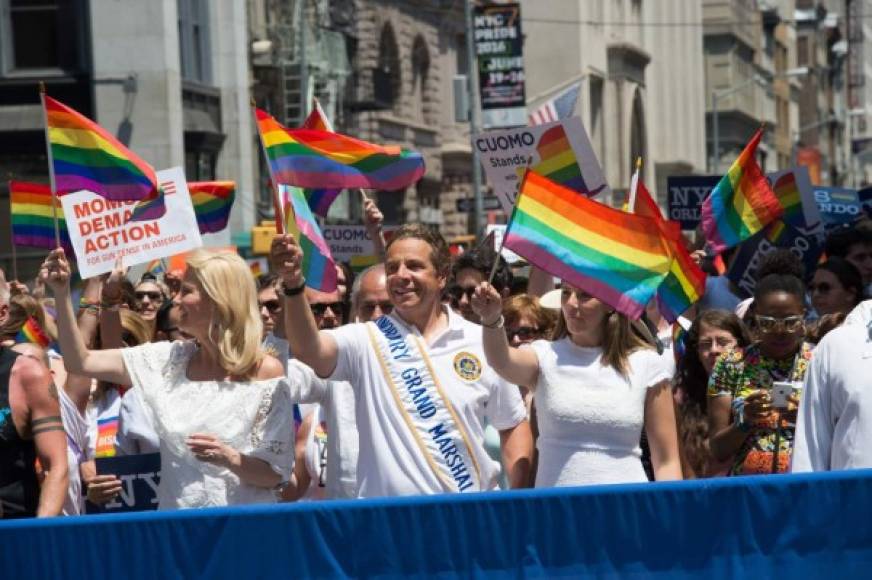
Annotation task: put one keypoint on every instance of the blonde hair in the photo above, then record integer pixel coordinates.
(236, 327)
(620, 340)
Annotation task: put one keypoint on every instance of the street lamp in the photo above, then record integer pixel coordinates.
(717, 95)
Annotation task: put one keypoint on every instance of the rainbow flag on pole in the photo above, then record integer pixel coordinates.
(318, 159)
(320, 200)
(212, 203)
(85, 156)
(741, 204)
(32, 217)
(685, 283)
(558, 163)
(318, 265)
(616, 256)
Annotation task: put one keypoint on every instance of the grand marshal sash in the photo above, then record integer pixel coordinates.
(429, 415)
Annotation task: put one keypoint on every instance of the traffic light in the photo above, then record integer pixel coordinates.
(262, 237)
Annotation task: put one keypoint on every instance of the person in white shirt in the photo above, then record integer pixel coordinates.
(421, 388)
(596, 387)
(834, 427)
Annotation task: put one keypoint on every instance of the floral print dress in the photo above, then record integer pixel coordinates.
(739, 373)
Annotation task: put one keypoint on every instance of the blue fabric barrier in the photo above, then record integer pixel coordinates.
(792, 526)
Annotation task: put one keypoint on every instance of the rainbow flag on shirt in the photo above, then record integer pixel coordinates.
(212, 201)
(86, 156)
(741, 204)
(318, 159)
(30, 208)
(685, 283)
(319, 268)
(617, 257)
(558, 163)
(32, 333)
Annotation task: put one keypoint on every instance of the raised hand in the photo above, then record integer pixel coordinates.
(487, 303)
(17, 288)
(372, 215)
(286, 260)
(55, 271)
(112, 286)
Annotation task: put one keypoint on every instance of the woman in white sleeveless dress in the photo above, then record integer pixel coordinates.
(219, 405)
(596, 387)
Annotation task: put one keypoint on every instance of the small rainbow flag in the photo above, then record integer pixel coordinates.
(617, 257)
(789, 197)
(318, 265)
(32, 216)
(558, 163)
(86, 156)
(318, 159)
(212, 203)
(685, 283)
(741, 204)
(155, 267)
(31, 333)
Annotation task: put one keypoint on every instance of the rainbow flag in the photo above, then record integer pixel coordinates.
(617, 257)
(685, 283)
(318, 159)
(789, 197)
(742, 202)
(558, 163)
(86, 156)
(155, 267)
(320, 200)
(151, 208)
(30, 208)
(212, 203)
(31, 333)
(318, 265)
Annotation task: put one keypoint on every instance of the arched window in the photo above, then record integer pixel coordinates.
(386, 76)
(420, 73)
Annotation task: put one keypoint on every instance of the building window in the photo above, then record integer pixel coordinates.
(194, 44)
(420, 74)
(386, 76)
(40, 35)
(200, 165)
(802, 51)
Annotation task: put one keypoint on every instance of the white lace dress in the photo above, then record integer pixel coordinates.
(255, 418)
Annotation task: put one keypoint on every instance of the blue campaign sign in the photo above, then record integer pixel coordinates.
(865, 196)
(838, 205)
(743, 272)
(139, 475)
(685, 194)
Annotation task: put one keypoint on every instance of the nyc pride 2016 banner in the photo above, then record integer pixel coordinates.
(101, 231)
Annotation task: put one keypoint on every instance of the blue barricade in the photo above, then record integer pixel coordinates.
(794, 526)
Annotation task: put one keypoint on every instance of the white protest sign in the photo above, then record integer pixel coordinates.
(352, 244)
(499, 231)
(100, 229)
(560, 151)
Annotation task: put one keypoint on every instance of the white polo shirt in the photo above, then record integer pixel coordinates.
(390, 461)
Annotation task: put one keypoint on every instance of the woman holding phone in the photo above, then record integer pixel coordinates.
(754, 392)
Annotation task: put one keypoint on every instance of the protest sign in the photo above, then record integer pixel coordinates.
(139, 475)
(499, 54)
(499, 231)
(838, 205)
(101, 230)
(560, 151)
(807, 248)
(352, 244)
(685, 194)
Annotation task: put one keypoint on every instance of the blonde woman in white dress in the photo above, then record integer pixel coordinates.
(220, 406)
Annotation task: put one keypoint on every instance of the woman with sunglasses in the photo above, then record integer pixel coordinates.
(221, 407)
(150, 295)
(836, 287)
(597, 385)
(748, 420)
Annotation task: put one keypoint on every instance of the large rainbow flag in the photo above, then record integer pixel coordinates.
(684, 285)
(741, 204)
(558, 163)
(318, 265)
(212, 203)
(616, 256)
(320, 200)
(318, 159)
(86, 156)
(32, 217)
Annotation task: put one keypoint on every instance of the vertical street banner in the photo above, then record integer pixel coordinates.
(499, 54)
(560, 151)
(101, 230)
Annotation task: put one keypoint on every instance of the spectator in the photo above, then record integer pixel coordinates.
(853, 244)
(470, 270)
(836, 287)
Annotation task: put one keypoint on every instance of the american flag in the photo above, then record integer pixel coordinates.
(556, 108)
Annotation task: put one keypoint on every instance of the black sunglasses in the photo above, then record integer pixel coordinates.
(456, 292)
(320, 309)
(153, 296)
(523, 333)
(272, 305)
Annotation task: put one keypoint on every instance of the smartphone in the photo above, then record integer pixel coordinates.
(781, 390)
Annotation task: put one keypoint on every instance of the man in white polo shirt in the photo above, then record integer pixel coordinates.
(422, 388)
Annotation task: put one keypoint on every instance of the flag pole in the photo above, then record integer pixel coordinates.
(51, 175)
(12, 234)
(277, 204)
(634, 186)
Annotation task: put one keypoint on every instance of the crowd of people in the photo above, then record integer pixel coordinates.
(424, 374)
